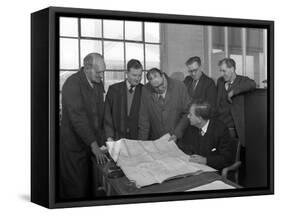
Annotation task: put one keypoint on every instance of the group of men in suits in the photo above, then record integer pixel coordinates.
(135, 111)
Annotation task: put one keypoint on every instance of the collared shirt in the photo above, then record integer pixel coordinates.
(89, 81)
(195, 83)
(129, 85)
(228, 84)
(205, 128)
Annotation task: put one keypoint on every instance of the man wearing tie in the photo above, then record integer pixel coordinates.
(164, 104)
(230, 100)
(81, 131)
(122, 105)
(208, 139)
(199, 85)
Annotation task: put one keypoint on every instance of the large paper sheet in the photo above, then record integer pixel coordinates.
(150, 162)
(215, 185)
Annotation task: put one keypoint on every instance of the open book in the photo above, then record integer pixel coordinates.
(150, 162)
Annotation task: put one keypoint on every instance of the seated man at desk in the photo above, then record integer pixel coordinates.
(208, 139)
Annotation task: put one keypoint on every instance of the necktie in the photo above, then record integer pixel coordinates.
(131, 90)
(228, 86)
(194, 85)
(161, 100)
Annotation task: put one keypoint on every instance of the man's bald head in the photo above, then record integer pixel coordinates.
(94, 66)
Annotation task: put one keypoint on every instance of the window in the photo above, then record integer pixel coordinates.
(247, 46)
(117, 40)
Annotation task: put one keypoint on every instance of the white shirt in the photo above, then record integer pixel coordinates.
(205, 128)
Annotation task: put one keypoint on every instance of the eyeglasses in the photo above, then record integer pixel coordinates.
(193, 71)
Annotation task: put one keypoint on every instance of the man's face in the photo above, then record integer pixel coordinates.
(134, 76)
(194, 70)
(158, 83)
(194, 120)
(227, 73)
(95, 70)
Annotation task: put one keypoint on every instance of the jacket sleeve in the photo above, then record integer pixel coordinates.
(183, 122)
(108, 117)
(144, 123)
(246, 84)
(222, 156)
(211, 94)
(72, 98)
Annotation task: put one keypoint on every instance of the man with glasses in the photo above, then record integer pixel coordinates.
(81, 131)
(164, 104)
(199, 85)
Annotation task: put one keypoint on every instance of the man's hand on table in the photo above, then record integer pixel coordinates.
(173, 138)
(198, 159)
(100, 156)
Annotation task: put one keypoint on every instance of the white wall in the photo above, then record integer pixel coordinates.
(181, 42)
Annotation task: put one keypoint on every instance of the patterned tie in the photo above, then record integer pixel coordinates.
(131, 90)
(193, 85)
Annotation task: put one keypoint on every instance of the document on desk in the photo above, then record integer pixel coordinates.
(215, 185)
(150, 162)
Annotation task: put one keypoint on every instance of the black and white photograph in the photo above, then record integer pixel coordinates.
(149, 107)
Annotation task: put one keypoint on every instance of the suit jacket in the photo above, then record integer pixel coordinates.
(205, 89)
(214, 145)
(81, 124)
(117, 123)
(240, 85)
(82, 111)
(156, 119)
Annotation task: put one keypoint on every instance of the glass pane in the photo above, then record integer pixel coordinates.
(133, 30)
(218, 50)
(114, 55)
(152, 56)
(113, 29)
(152, 32)
(111, 77)
(134, 50)
(89, 46)
(68, 26)
(91, 28)
(255, 68)
(143, 80)
(69, 53)
(235, 47)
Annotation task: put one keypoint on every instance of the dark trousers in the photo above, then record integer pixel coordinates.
(76, 176)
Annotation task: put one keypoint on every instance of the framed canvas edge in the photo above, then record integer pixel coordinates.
(54, 11)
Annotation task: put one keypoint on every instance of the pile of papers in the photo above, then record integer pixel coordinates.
(150, 162)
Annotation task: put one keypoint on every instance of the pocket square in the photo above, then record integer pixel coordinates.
(214, 149)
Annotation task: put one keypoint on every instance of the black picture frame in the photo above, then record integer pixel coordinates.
(45, 102)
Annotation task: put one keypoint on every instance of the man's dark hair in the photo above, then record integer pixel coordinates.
(229, 62)
(152, 71)
(202, 108)
(134, 63)
(192, 60)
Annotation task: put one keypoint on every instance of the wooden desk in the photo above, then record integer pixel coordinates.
(122, 186)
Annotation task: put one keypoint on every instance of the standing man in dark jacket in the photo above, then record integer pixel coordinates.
(230, 100)
(164, 104)
(122, 105)
(81, 131)
(199, 85)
